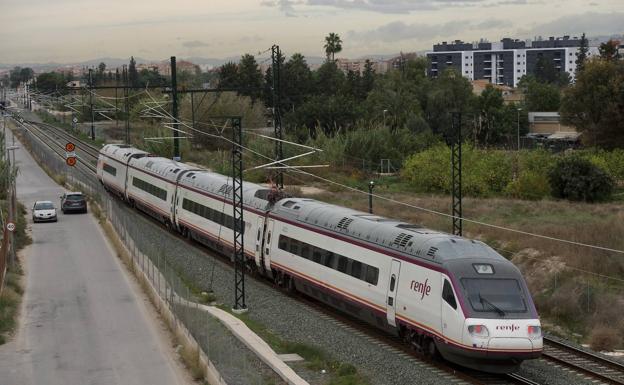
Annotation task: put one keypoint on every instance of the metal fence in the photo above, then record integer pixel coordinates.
(234, 362)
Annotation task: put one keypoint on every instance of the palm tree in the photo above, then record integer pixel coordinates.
(333, 45)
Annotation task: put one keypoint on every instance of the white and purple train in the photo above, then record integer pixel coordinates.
(441, 293)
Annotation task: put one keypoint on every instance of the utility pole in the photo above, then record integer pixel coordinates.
(277, 118)
(371, 186)
(126, 103)
(174, 110)
(91, 104)
(456, 171)
(239, 224)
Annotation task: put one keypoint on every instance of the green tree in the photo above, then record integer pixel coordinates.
(249, 77)
(609, 50)
(133, 74)
(595, 103)
(228, 75)
(297, 82)
(450, 92)
(540, 96)
(18, 75)
(490, 107)
(329, 79)
(333, 45)
(50, 82)
(368, 78)
(581, 54)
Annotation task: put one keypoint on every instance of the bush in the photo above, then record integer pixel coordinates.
(604, 338)
(577, 179)
(530, 185)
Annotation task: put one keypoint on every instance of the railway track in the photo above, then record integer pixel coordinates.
(86, 151)
(590, 364)
(453, 373)
(56, 138)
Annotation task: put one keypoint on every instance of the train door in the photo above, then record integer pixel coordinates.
(392, 291)
(267, 244)
(452, 319)
(258, 241)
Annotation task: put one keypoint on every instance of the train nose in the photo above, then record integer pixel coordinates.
(514, 344)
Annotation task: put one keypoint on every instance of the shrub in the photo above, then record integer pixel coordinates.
(577, 179)
(530, 185)
(604, 338)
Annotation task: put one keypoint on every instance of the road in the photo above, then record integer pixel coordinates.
(83, 321)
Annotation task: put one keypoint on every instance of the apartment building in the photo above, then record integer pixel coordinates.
(504, 62)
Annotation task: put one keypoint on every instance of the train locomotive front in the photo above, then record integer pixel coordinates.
(496, 326)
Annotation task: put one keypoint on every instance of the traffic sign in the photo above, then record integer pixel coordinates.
(75, 120)
(70, 147)
(10, 226)
(71, 161)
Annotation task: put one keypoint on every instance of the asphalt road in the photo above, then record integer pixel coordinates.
(83, 321)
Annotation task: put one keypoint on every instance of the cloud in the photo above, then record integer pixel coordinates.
(399, 30)
(379, 6)
(195, 44)
(592, 23)
(286, 6)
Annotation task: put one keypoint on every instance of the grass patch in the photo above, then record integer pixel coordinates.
(316, 358)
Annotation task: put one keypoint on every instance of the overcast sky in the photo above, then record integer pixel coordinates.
(76, 30)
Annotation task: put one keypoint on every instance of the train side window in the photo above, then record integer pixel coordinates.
(372, 275)
(392, 282)
(356, 269)
(316, 254)
(342, 264)
(329, 259)
(294, 246)
(269, 238)
(258, 235)
(305, 250)
(283, 243)
(447, 294)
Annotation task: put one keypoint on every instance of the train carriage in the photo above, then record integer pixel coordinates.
(204, 212)
(112, 166)
(152, 185)
(442, 293)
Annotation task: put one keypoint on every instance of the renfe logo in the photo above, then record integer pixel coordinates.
(511, 328)
(422, 288)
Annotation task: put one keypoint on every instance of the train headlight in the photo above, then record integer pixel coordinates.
(535, 332)
(478, 331)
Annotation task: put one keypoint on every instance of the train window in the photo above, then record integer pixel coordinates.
(294, 246)
(447, 294)
(342, 264)
(283, 242)
(269, 238)
(305, 250)
(288, 203)
(329, 259)
(372, 275)
(392, 282)
(356, 269)
(317, 254)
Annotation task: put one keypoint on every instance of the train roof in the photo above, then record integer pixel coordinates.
(122, 152)
(165, 167)
(253, 195)
(410, 240)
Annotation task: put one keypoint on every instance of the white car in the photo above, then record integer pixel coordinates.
(44, 211)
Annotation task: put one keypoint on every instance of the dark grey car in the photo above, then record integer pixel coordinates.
(73, 202)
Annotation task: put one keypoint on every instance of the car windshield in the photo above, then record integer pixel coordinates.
(75, 198)
(495, 295)
(44, 206)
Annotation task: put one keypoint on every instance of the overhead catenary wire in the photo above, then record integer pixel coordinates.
(424, 209)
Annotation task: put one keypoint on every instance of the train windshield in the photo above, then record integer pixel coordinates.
(495, 295)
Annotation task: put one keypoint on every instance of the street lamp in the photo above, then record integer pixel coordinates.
(384, 117)
(371, 186)
(519, 109)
